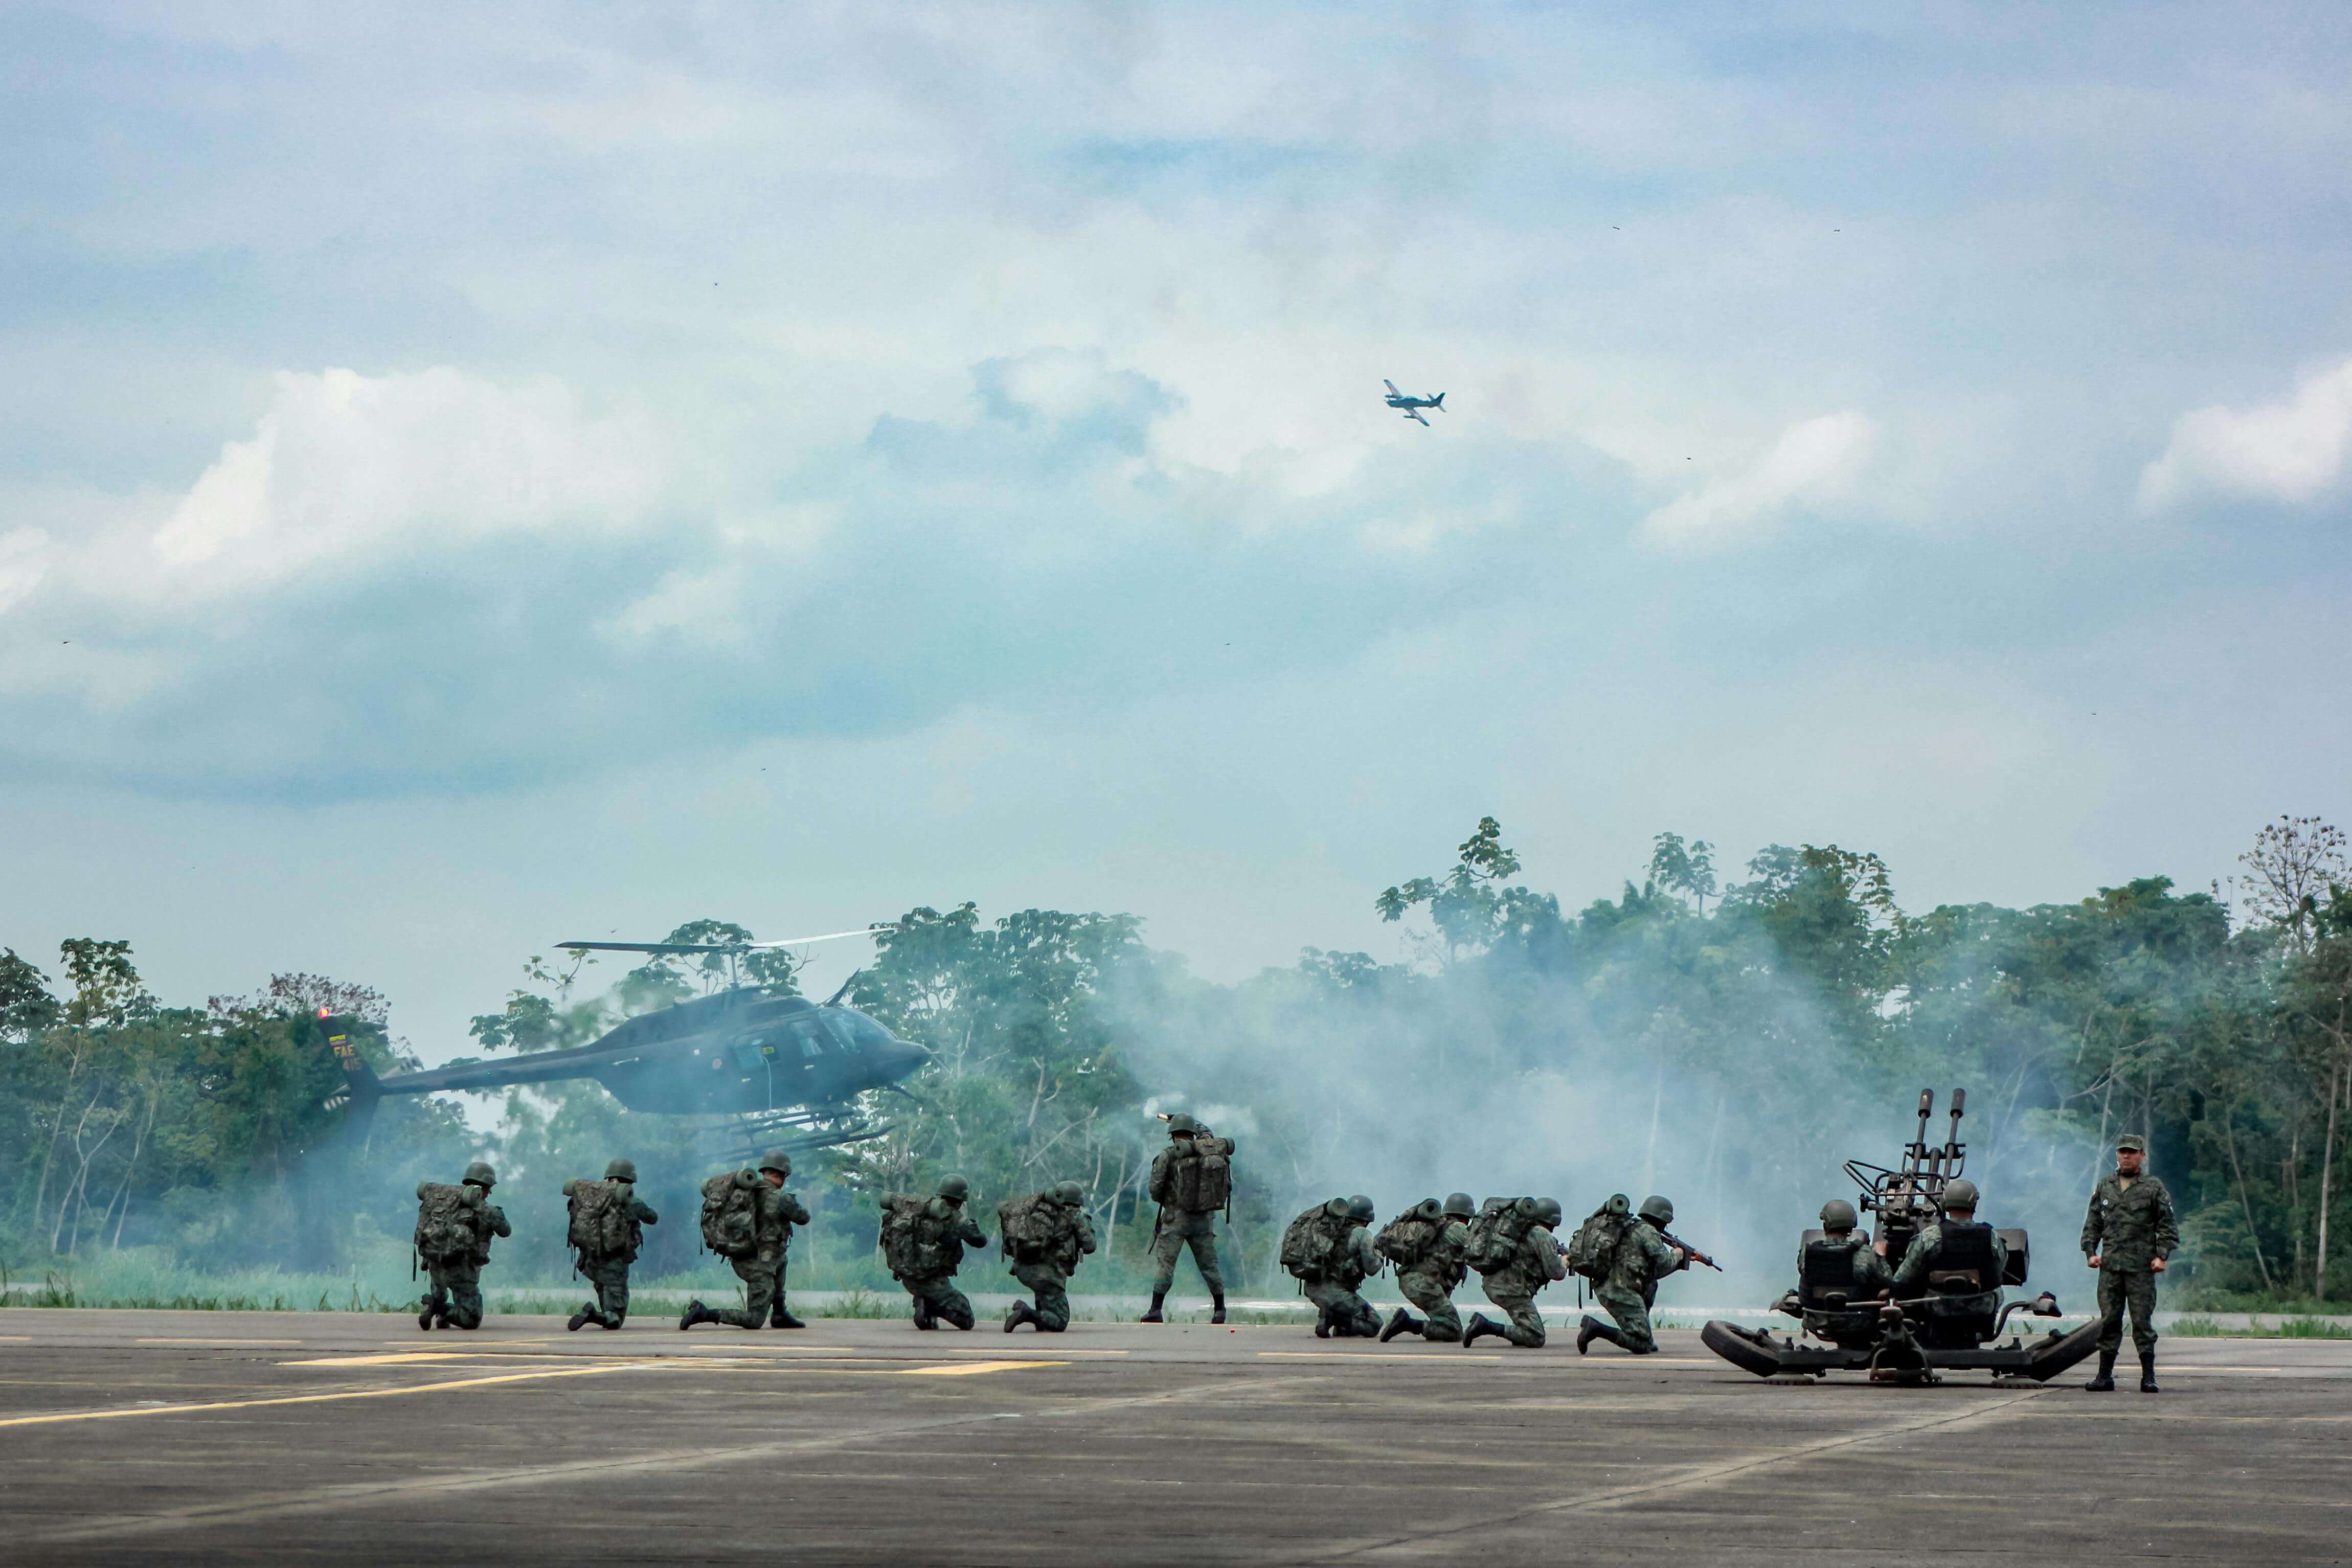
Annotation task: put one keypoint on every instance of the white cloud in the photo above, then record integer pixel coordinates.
(345, 466)
(23, 561)
(2288, 452)
(1813, 464)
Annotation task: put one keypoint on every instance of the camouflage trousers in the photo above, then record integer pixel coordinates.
(1349, 1312)
(2119, 1288)
(764, 1290)
(610, 1279)
(1169, 1245)
(1525, 1327)
(1431, 1294)
(1633, 1315)
(948, 1304)
(1048, 1284)
(458, 1289)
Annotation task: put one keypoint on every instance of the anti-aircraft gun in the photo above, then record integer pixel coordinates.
(1906, 1340)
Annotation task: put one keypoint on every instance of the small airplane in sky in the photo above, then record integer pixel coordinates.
(1411, 405)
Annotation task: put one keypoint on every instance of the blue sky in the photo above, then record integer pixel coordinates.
(468, 480)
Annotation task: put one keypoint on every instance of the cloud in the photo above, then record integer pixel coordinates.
(1813, 464)
(2289, 451)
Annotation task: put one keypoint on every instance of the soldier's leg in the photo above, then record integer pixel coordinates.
(1325, 1297)
(2112, 1295)
(465, 1296)
(1165, 1248)
(781, 1316)
(1205, 1258)
(613, 1294)
(1633, 1315)
(759, 1277)
(1526, 1328)
(436, 1296)
(945, 1302)
(1442, 1323)
(1053, 1307)
(2140, 1293)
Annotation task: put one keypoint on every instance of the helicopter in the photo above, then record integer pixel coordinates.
(786, 1068)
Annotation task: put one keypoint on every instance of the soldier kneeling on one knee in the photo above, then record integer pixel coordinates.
(454, 1226)
(1328, 1250)
(1044, 1236)
(922, 1242)
(606, 1229)
(748, 1220)
(1430, 1244)
(1515, 1251)
(1628, 1287)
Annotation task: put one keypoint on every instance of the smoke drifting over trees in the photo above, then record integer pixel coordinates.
(1726, 1039)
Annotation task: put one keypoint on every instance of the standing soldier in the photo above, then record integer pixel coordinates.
(1643, 1258)
(923, 1240)
(1192, 1179)
(1044, 1238)
(454, 1226)
(1530, 1265)
(606, 1229)
(748, 1220)
(1430, 1245)
(2128, 1235)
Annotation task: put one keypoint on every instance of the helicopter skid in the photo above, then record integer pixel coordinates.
(2038, 1359)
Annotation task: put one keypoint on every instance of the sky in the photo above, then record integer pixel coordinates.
(473, 477)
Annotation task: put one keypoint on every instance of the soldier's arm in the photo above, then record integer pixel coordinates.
(1547, 1251)
(2092, 1223)
(497, 1217)
(1160, 1174)
(1870, 1271)
(974, 1236)
(2167, 1226)
(795, 1209)
(1915, 1259)
(1085, 1232)
(644, 1211)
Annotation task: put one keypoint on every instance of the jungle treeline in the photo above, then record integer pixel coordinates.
(1728, 1041)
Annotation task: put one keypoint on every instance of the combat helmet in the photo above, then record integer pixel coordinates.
(954, 1189)
(480, 1173)
(1069, 1194)
(1960, 1196)
(621, 1170)
(1837, 1213)
(1461, 1206)
(778, 1161)
(1657, 1210)
(1359, 1209)
(1547, 1212)
(1182, 1125)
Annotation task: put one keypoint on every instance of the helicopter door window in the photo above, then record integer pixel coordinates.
(810, 1041)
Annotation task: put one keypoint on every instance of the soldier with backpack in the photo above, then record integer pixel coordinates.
(606, 1229)
(1192, 1179)
(454, 1226)
(1430, 1245)
(922, 1240)
(748, 1220)
(1328, 1250)
(1627, 1283)
(1513, 1248)
(1044, 1236)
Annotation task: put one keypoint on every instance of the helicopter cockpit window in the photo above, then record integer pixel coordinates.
(855, 1029)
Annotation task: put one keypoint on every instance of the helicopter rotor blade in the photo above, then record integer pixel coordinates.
(834, 1000)
(712, 947)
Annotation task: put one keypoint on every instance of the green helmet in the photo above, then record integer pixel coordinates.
(1657, 1211)
(1960, 1196)
(954, 1189)
(1547, 1212)
(480, 1174)
(620, 1170)
(1069, 1194)
(778, 1161)
(1837, 1213)
(1461, 1206)
(1181, 1126)
(1360, 1209)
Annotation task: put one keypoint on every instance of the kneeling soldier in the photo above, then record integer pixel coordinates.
(1044, 1236)
(607, 1230)
(748, 1220)
(454, 1226)
(1430, 1244)
(1642, 1258)
(923, 1240)
(1535, 1263)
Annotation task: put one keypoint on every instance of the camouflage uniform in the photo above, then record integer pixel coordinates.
(1513, 1287)
(775, 1212)
(1434, 1277)
(935, 1294)
(2127, 1228)
(1047, 1277)
(1642, 1258)
(1871, 1274)
(457, 1294)
(1919, 1260)
(609, 1272)
(1179, 1228)
(1349, 1263)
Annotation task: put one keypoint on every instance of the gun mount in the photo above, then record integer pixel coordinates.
(1906, 1341)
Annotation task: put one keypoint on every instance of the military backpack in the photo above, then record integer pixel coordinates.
(1412, 1235)
(600, 1223)
(1031, 1228)
(1307, 1245)
(448, 1222)
(1592, 1250)
(731, 1213)
(1202, 1182)
(916, 1241)
(1495, 1235)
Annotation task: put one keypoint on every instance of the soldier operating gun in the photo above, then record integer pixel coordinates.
(1671, 1240)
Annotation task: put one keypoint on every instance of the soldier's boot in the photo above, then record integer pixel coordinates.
(925, 1318)
(581, 1318)
(436, 1313)
(2103, 1381)
(1322, 1323)
(1152, 1315)
(696, 1312)
(780, 1319)
(2147, 1371)
(1591, 1329)
(1399, 1322)
(1478, 1325)
(1217, 1307)
(1018, 1314)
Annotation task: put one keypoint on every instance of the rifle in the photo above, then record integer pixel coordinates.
(1696, 1255)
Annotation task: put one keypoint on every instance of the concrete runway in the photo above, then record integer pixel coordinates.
(201, 1437)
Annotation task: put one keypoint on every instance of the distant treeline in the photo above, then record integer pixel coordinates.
(1729, 1044)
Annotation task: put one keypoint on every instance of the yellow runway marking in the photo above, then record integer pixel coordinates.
(404, 1358)
(313, 1398)
(1372, 1355)
(280, 1343)
(967, 1368)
